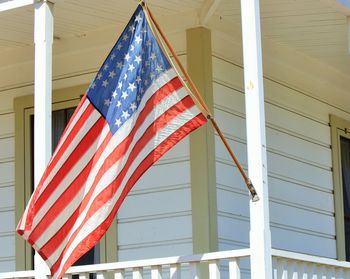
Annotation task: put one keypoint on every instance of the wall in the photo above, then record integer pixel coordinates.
(299, 155)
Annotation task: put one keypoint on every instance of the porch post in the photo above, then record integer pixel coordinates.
(260, 235)
(43, 38)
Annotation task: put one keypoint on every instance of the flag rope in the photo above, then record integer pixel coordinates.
(200, 99)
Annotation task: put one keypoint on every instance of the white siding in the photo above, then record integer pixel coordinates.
(7, 202)
(299, 165)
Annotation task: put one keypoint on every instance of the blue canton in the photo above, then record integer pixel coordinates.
(133, 64)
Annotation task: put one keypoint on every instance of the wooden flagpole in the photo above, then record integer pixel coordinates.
(199, 97)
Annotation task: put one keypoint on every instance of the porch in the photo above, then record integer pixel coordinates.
(226, 264)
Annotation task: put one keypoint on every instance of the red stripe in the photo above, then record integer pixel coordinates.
(87, 243)
(53, 162)
(66, 197)
(74, 157)
(119, 151)
(110, 190)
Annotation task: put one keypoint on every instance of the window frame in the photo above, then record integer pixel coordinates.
(24, 107)
(339, 128)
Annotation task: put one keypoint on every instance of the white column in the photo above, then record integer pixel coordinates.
(260, 235)
(43, 38)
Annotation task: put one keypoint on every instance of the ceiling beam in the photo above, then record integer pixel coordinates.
(207, 11)
(13, 4)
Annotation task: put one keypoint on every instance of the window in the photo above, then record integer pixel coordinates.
(63, 106)
(341, 179)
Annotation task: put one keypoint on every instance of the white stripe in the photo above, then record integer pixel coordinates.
(117, 139)
(74, 203)
(91, 120)
(63, 138)
(71, 124)
(114, 171)
(103, 212)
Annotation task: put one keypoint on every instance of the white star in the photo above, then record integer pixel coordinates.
(144, 30)
(138, 79)
(127, 57)
(138, 59)
(138, 96)
(125, 37)
(99, 76)
(153, 56)
(118, 122)
(138, 18)
(111, 74)
(131, 28)
(119, 103)
(112, 56)
(152, 75)
(119, 46)
(107, 102)
(131, 86)
(125, 95)
(138, 39)
(105, 83)
(125, 114)
(131, 67)
(105, 67)
(146, 82)
(147, 63)
(120, 65)
(114, 93)
(133, 106)
(120, 84)
(93, 85)
(132, 48)
(159, 68)
(125, 76)
(148, 43)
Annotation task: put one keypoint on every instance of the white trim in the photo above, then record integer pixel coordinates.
(43, 38)
(260, 235)
(13, 4)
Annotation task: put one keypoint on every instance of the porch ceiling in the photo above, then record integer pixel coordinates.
(313, 27)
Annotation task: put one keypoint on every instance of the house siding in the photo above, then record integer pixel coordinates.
(298, 158)
(7, 202)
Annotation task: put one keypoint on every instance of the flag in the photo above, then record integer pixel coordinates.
(133, 112)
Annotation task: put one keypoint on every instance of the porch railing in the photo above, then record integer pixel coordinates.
(289, 265)
(171, 267)
(225, 264)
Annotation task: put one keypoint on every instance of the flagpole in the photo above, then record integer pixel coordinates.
(199, 97)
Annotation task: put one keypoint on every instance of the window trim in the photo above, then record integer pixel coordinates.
(339, 127)
(24, 107)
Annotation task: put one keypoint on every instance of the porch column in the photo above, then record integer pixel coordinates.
(43, 38)
(260, 235)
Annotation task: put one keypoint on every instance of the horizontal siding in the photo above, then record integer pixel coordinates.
(7, 195)
(299, 165)
(156, 214)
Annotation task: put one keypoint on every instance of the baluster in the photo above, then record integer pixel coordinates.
(137, 273)
(302, 273)
(84, 275)
(100, 275)
(156, 272)
(175, 272)
(194, 270)
(214, 272)
(234, 270)
(292, 270)
(119, 274)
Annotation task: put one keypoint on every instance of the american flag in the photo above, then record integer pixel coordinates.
(133, 112)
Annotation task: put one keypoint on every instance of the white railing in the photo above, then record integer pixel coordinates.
(289, 265)
(225, 264)
(171, 267)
